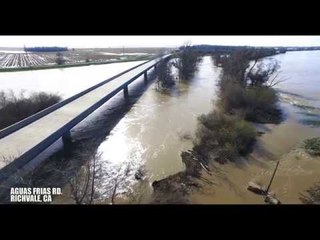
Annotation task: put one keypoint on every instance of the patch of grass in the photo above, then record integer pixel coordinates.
(312, 196)
(312, 146)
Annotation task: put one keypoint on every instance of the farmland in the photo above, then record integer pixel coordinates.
(14, 60)
(17, 59)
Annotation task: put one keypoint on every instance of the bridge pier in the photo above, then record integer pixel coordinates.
(126, 92)
(145, 78)
(66, 139)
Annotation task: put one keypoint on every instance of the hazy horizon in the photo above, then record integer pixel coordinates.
(156, 41)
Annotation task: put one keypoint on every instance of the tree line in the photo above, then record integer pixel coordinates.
(45, 49)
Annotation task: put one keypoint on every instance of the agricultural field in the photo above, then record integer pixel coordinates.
(13, 60)
(17, 58)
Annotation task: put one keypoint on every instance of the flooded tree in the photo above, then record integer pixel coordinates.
(165, 78)
(249, 93)
(82, 184)
(186, 61)
(264, 74)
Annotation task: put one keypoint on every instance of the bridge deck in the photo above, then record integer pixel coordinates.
(24, 139)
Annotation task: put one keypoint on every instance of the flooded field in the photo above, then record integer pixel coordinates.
(65, 82)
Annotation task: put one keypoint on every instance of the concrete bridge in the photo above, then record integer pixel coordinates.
(25, 140)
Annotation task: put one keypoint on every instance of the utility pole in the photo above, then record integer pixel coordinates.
(272, 177)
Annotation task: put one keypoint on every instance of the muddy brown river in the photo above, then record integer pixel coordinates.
(148, 140)
(153, 134)
(300, 103)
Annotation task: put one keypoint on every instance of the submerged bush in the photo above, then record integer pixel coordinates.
(255, 104)
(261, 105)
(186, 62)
(312, 196)
(14, 108)
(224, 137)
(312, 146)
(165, 78)
(232, 95)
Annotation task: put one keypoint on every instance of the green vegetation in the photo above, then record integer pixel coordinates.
(246, 95)
(313, 196)
(312, 146)
(249, 92)
(165, 78)
(186, 61)
(226, 134)
(223, 137)
(14, 108)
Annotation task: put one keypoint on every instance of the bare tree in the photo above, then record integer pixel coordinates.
(265, 74)
(118, 179)
(83, 183)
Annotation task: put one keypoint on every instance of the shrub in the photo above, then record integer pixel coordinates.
(186, 62)
(312, 196)
(312, 146)
(224, 136)
(256, 104)
(165, 78)
(232, 94)
(14, 108)
(261, 105)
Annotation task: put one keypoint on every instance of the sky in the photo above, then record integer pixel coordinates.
(155, 41)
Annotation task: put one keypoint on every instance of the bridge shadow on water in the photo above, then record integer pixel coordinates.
(62, 165)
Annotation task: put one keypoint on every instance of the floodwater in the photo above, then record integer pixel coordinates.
(152, 135)
(298, 171)
(149, 139)
(63, 81)
(147, 142)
